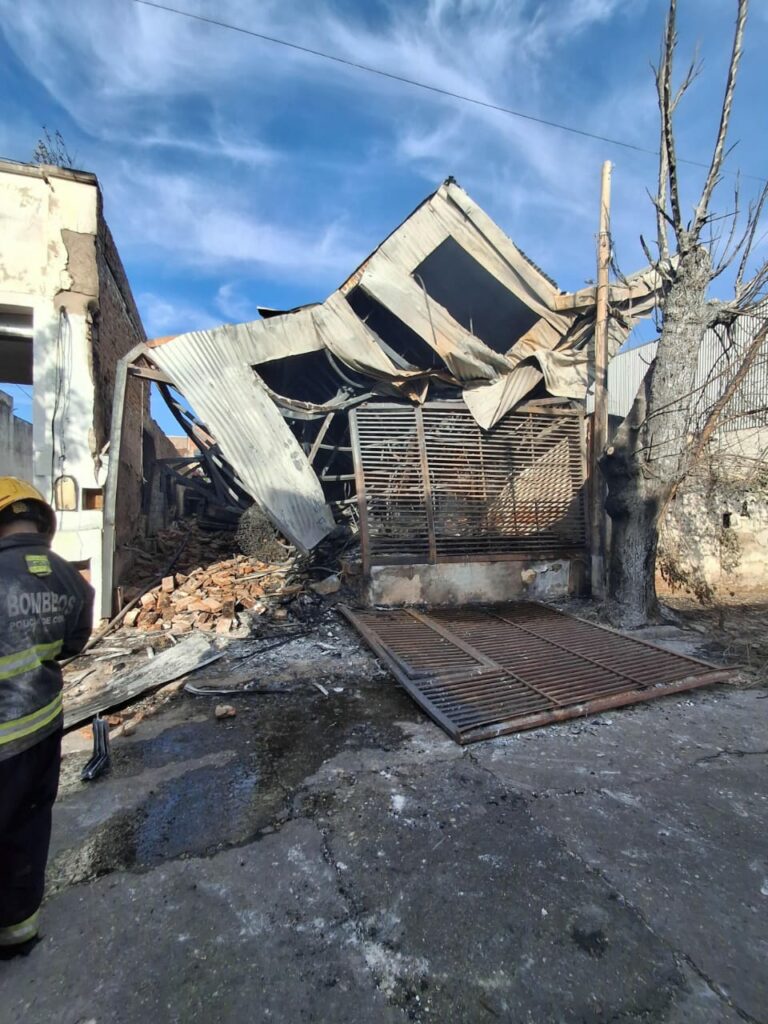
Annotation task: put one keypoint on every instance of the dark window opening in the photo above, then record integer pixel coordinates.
(15, 359)
(311, 377)
(474, 298)
(93, 499)
(726, 520)
(399, 340)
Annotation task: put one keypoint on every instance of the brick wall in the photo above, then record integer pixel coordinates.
(116, 328)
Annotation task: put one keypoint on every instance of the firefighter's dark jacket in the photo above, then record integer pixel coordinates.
(46, 610)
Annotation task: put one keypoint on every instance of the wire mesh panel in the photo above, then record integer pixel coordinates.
(433, 486)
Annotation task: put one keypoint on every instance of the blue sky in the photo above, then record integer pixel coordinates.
(239, 173)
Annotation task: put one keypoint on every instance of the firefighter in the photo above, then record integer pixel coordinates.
(45, 613)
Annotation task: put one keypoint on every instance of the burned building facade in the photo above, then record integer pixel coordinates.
(67, 317)
(435, 398)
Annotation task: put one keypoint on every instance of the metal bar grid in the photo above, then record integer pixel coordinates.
(482, 673)
(434, 487)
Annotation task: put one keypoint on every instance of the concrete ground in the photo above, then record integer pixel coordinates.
(338, 859)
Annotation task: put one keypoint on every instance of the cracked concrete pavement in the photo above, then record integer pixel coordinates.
(339, 859)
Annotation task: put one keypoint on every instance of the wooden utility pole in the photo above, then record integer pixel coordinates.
(600, 416)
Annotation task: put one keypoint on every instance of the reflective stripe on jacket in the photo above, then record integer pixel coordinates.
(45, 613)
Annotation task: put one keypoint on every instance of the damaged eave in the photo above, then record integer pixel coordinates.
(640, 289)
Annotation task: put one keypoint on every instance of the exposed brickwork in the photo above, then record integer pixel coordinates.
(116, 328)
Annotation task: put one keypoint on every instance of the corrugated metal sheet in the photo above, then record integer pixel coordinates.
(214, 375)
(625, 372)
(718, 362)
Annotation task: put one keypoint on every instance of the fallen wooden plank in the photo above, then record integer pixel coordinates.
(185, 657)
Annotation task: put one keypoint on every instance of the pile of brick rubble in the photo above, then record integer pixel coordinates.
(210, 598)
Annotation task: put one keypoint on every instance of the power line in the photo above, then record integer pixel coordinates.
(420, 85)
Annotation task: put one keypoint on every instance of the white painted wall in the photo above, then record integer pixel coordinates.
(728, 486)
(34, 210)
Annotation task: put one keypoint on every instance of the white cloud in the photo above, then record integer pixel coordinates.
(220, 151)
(233, 305)
(162, 315)
(180, 215)
(217, 147)
(483, 48)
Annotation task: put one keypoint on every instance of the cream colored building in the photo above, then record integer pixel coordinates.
(66, 317)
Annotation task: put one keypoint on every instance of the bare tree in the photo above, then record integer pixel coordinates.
(658, 442)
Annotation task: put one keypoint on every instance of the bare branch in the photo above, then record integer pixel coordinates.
(615, 267)
(718, 153)
(693, 72)
(728, 252)
(713, 418)
(712, 241)
(648, 255)
(661, 212)
(660, 202)
(753, 219)
(754, 291)
(667, 159)
(667, 105)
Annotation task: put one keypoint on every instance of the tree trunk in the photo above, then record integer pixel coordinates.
(645, 461)
(632, 565)
(633, 507)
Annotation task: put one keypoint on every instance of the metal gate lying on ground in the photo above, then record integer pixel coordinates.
(481, 673)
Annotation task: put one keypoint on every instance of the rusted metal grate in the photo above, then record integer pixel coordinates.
(433, 487)
(481, 673)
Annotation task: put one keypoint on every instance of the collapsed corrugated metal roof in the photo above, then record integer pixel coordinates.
(446, 303)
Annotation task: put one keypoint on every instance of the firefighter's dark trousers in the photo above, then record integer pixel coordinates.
(28, 785)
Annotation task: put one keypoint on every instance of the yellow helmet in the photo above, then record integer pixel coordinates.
(18, 498)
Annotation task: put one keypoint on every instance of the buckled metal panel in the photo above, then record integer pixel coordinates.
(433, 486)
(482, 673)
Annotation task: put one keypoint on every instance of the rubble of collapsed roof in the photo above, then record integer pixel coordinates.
(210, 598)
(446, 307)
